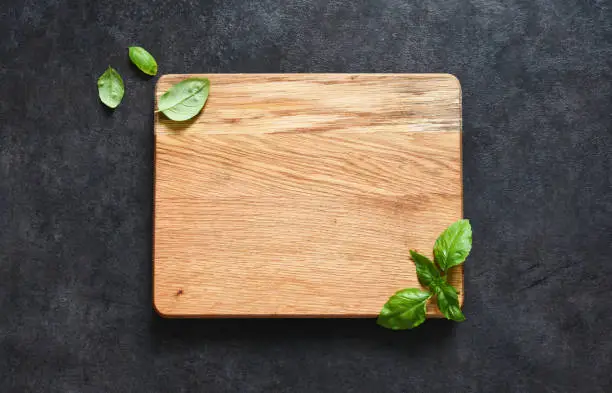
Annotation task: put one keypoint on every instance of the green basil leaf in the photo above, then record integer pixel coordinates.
(185, 99)
(453, 245)
(404, 310)
(448, 301)
(110, 88)
(143, 60)
(425, 268)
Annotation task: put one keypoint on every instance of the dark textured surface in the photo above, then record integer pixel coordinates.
(76, 190)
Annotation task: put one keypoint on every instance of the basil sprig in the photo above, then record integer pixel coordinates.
(406, 308)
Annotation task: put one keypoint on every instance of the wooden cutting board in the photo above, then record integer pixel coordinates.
(300, 195)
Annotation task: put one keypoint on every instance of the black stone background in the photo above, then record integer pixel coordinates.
(76, 196)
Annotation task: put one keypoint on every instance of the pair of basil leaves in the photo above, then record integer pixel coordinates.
(181, 102)
(406, 309)
(110, 83)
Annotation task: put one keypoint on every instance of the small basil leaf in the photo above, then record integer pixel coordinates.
(404, 310)
(110, 88)
(453, 245)
(185, 99)
(143, 60)
(425, 268)
(448, 301)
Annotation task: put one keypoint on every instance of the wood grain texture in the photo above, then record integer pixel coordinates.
(301, 195)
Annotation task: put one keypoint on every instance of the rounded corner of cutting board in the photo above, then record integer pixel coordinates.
(160, 304)
(162, 79)
(160, 311)
(455, 79)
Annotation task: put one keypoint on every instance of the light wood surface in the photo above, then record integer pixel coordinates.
(300, 195)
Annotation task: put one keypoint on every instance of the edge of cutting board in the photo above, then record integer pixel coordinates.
(432, 310)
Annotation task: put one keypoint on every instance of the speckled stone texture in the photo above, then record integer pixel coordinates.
(76, 196)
